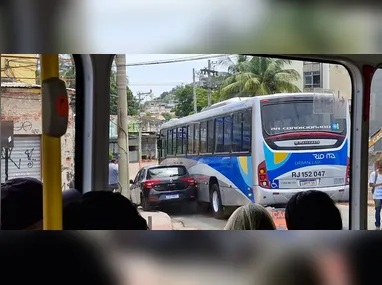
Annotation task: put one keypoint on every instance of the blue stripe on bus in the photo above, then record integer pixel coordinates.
(237, 169)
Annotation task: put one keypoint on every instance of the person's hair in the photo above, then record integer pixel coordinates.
(250, 217)
(312, 210)
(103, 210)
(113, 160)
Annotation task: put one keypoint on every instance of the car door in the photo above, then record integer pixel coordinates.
(135, 189)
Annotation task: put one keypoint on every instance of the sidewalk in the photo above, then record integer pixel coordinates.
(159, 221)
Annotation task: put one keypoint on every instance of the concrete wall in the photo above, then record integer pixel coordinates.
(299, 67)
(340, 80)
(23, 106)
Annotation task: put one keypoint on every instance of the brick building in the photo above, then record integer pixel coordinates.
(21, 103)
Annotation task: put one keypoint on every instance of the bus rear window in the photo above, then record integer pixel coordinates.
(296, 117)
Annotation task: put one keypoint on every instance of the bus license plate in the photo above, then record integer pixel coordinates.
(308, 183)
(176, 196)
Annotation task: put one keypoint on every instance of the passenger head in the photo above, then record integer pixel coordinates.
(250, 217)
(22, 203)
(103, 210)
(378, 164)
(69, 257)
(113, 160)
(312, 210)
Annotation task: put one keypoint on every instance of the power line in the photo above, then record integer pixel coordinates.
(175, 60)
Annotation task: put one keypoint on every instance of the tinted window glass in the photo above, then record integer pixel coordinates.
(171, 171)
(169, 142)
(184, 141)
(298, 116)
(246, 131)
(203, 137)
(174, 141)
(210, 140)
(237, 133)
(190, 136)
(179, 142)
(197, 142)
(219, 134)
(227, 134)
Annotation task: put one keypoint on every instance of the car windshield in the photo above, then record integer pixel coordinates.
(169, 171)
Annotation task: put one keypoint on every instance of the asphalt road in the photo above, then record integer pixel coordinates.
(204, 221)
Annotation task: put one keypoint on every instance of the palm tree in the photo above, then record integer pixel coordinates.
(253, 76)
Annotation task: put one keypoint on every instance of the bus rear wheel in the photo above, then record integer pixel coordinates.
(216, 203)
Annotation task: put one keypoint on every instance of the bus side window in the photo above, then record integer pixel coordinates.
(179, 141)
(236, 132)
(247, 131)
(219, 135)
(211, 135)
(203, 137)
(169, 142)
(197, 139)
(174, 142)
(227, 134)
(185, 139)
(190, 139)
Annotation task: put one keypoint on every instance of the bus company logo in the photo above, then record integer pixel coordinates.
(306, 142)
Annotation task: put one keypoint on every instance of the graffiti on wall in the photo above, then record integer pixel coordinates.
(17, 162)
(27, 127)
(67, 164)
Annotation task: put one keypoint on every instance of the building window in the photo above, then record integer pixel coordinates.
(312, 79)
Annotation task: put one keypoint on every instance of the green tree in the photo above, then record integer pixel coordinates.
(185, 98)
(167, 116)
(133, 106)
(253, 76)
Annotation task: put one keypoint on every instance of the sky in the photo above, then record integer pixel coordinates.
(161, 77)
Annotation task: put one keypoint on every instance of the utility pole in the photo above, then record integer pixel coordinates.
(209, 83)
(194, 90)
(123, 139)
(140, 127)
(210, 72)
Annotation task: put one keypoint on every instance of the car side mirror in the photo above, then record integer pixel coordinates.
(131, 181)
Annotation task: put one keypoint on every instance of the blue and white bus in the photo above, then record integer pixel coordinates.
(260, 150)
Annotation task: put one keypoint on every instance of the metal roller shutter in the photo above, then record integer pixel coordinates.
(24, 159)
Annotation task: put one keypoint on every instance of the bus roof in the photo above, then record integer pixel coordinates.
(228, 106)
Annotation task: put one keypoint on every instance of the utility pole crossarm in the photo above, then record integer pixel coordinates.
(210, 73)
(140, 127)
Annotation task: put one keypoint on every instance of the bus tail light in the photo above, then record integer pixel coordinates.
(149, 184)
(348, 172)
(263, 176)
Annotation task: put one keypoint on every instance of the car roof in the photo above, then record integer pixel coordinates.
(159, 165)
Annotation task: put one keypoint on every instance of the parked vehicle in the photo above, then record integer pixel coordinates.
(159, 185)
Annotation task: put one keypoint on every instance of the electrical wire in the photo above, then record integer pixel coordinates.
(175, 60)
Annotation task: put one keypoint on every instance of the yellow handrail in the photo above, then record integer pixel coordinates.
(51, 158)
